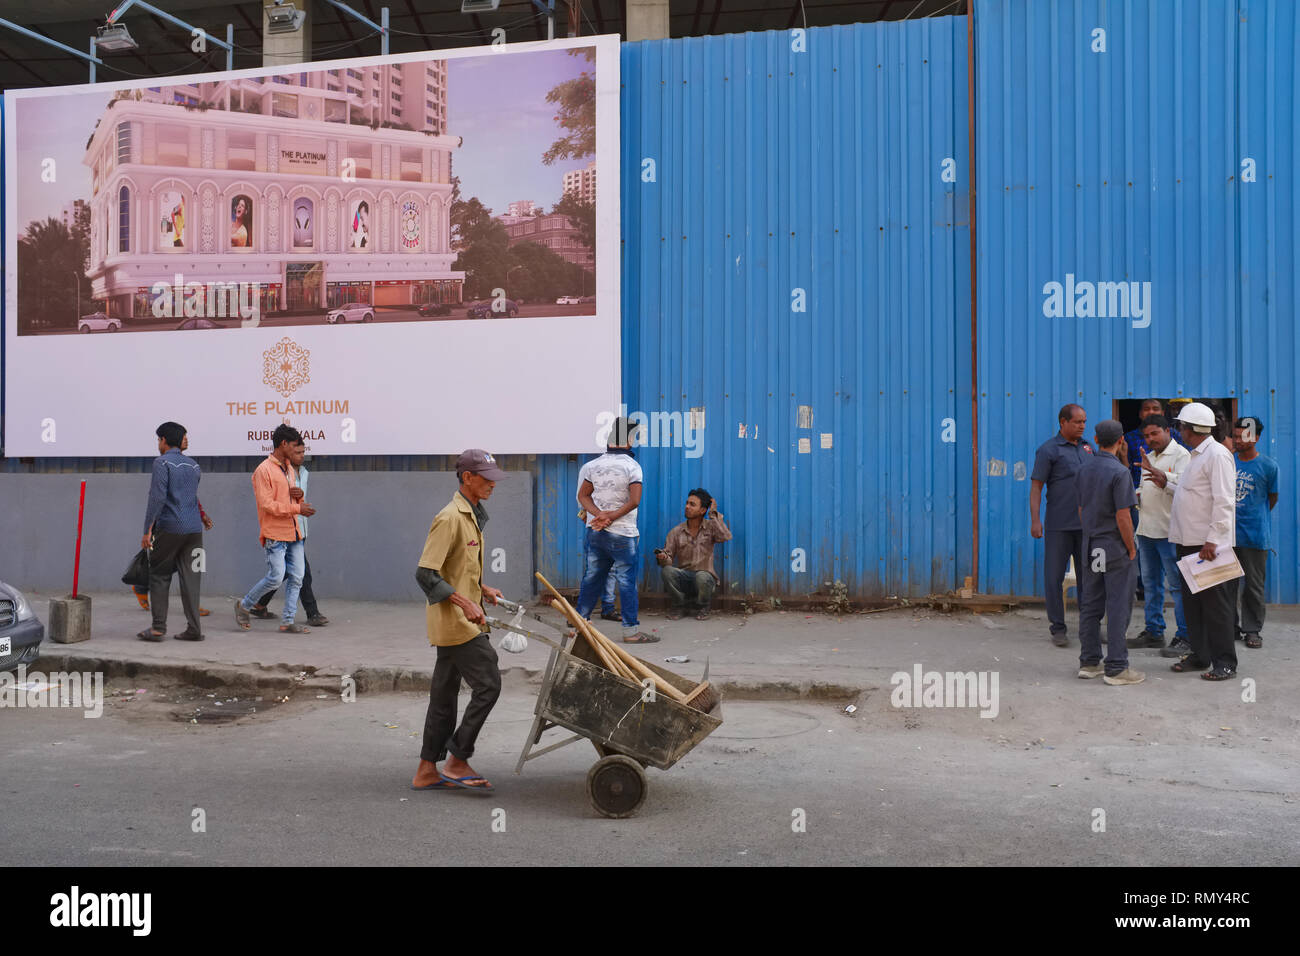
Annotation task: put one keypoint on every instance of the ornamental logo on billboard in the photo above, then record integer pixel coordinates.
(411, 224)
(286, 366)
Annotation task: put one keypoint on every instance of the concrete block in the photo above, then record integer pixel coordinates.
(69, 619)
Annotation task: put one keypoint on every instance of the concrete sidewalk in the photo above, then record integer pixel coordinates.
(769, 655)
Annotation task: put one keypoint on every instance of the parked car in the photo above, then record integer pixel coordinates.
(435, 308)
(587, 299)
(352, 312)
(198, 324)
(567, 300)
(21, 631)
(98, 322)
(484, 310)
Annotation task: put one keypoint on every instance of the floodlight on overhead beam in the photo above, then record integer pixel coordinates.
(479, 6)
(114, 38)
(284, 18)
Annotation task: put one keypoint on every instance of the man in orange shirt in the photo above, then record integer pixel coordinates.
(279, 502)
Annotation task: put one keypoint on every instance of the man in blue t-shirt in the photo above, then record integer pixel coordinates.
(1256, 496)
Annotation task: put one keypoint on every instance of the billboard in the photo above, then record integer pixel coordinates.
(396, 255)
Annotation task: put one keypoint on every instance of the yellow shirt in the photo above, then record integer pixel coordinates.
(454, 549)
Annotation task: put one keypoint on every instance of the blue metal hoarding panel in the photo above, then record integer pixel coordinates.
(796, 269)
(1110, 143)
(1268, 117)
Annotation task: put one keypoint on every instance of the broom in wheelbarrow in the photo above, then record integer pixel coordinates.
(703, 697)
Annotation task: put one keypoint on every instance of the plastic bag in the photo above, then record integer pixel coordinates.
(137, 572)
(514, 643)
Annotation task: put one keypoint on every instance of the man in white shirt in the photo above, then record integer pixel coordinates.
(1202, 522)
(1157, 555)
(609, 490)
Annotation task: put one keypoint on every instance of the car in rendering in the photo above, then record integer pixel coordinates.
(435, 308)
(587, 300)
(484, 310)
(21, 631)
(198, 323)
(98, 322)
(567, 300)
(352, 312)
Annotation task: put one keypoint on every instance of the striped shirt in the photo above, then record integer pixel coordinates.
(173, 495)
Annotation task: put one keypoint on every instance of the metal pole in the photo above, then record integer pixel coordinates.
(974, 300)
(47, 41)
(76, 562)
(383, 35)
(92, 64)
(230, 46)
(176, 21)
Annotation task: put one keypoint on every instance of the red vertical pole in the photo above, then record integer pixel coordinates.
(81, 513)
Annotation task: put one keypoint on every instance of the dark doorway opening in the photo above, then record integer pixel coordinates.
(1127, 411)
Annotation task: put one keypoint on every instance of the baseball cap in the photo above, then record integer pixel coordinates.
(479, 462)
(1109, 432)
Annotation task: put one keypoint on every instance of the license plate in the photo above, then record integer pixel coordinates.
(5, 644)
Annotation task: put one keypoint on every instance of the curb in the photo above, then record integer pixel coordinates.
(385, 680)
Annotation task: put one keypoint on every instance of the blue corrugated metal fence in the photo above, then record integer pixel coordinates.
(1124, 163)
(796, 270)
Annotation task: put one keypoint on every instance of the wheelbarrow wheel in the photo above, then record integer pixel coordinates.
(616, 786)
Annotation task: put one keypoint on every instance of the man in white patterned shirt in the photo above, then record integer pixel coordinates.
(609, 489)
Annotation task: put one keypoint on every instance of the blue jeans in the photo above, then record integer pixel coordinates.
(611, 593)
(611, 585)
(606, 552)
(1160, 568)
(284, 565)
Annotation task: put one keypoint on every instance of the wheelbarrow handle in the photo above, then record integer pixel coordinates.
(497, 623)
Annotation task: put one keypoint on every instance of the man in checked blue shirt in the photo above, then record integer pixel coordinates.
(173, 514)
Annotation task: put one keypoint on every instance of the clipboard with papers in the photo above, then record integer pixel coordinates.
(1200, 574)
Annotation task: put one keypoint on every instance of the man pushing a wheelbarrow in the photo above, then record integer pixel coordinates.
(451, 575)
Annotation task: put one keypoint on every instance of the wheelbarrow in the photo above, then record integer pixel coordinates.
(630, 725)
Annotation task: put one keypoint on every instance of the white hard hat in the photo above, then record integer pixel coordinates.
(1194, 413)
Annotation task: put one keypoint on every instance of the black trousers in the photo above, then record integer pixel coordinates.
(305, 597)
(1211, 620)
(175, 553)
(476, 662)
(1254, 561)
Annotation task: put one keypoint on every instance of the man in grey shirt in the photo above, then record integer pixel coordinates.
(1109, 570)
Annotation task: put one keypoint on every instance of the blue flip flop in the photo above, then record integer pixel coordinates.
(439, 785)
(464, 783)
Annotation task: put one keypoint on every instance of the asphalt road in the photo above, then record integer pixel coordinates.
(324, 783)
